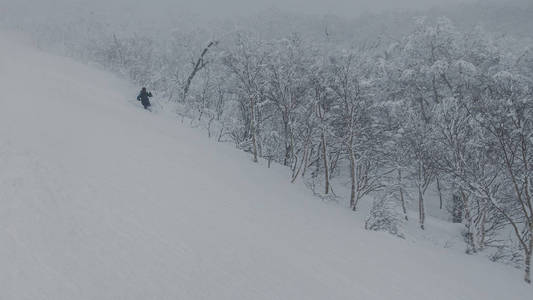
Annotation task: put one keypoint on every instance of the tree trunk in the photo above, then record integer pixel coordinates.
(325, 160)
(402, 200)
(471, 246)
(421, 211)
(527, 276)
(302, 163)
(458, 208)
(482, 229)
(200, 64)
(295, 170)
(306, 161)
(440, 193)
(252, 128)
(287, 142)
(352, 175)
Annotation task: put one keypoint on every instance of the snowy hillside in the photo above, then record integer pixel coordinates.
(100, 199)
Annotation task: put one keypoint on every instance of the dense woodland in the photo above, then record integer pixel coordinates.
(401, 105)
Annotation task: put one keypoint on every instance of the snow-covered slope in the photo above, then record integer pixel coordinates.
(102, 200)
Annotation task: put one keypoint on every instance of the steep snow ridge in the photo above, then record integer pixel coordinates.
(102, 200)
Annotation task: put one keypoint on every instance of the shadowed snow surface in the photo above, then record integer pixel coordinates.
(100, 199)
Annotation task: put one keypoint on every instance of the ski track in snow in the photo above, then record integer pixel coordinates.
(102, 200)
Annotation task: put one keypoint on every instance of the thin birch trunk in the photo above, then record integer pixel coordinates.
(325, 160)
(482, 221)
(421, 210)
(306, 162)
(469, 224)
(440, 193)
(353, 204)
(402, 200)
(252, 128)
(527, 276)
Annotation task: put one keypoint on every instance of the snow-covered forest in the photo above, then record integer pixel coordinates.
(386, 114)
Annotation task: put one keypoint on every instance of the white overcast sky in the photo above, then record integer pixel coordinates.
(343, 7)
(224, 8)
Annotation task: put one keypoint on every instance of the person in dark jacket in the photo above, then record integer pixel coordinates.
(144, 98)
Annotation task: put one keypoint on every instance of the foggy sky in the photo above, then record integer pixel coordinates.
(339, 7)
(225, 8)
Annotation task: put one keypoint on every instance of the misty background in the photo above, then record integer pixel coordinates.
(346, 21)
(226, 8)
(351, 17)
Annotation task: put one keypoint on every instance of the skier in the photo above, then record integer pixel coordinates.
(144, 98)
